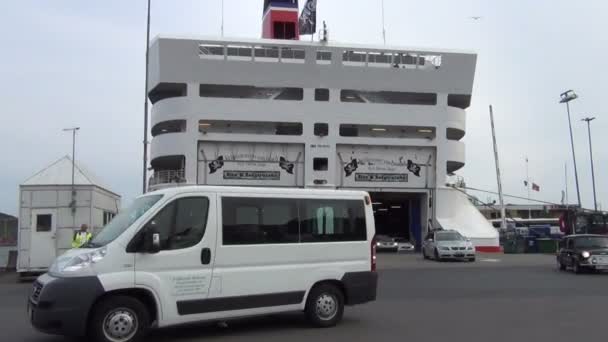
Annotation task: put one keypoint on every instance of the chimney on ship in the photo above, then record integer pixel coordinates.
(280, 20)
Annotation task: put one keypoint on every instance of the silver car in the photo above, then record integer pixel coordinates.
(404, 246)
(386, 244)
(447, 244)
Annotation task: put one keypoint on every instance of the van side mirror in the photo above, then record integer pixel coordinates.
(151, 242)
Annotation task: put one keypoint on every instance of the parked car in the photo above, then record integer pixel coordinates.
(404, 246)
(585, 252)
(386, 243)
(447, 244)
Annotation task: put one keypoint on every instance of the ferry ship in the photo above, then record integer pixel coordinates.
(283, 112)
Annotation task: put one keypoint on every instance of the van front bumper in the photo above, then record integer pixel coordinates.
(61, 305)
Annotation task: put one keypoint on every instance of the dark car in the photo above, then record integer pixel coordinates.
(585, 252)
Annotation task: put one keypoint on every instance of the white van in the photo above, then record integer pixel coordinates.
(192, 254)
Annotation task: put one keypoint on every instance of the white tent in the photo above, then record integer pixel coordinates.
(50, 213)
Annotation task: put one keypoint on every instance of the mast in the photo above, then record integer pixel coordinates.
(500, 196)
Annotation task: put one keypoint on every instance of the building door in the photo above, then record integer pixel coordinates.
(42, 241)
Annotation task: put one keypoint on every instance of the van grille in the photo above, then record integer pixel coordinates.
(36, 289)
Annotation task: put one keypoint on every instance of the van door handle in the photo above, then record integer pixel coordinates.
(205, 256)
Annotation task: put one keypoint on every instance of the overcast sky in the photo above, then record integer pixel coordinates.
(81, 63)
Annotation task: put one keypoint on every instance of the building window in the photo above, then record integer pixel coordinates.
(321, 129)
(320, 164)
(107, 217)
(321, 94)
(44, 223)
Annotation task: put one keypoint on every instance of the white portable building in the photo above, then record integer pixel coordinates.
(49, 213)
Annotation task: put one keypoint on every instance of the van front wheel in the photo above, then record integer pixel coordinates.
(325, 305)
(119, 319)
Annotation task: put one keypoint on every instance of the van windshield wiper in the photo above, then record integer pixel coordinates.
(90, 244)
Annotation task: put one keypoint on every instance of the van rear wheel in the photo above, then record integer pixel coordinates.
(325, 305)
(119, 319)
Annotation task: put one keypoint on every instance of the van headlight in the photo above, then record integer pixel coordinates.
(585, 254)
(78, 262)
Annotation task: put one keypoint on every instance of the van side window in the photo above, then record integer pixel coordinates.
(249, 221)
(332, 220)
(325, 221)
(182, 223)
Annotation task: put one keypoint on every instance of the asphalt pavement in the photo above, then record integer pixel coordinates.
(498, 298)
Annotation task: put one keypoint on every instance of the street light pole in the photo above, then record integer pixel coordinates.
(145, 159)
(566, 97)
(588, 120)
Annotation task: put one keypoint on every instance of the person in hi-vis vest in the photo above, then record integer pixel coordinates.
(81, 237)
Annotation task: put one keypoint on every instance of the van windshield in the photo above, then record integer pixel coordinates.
(123, 220)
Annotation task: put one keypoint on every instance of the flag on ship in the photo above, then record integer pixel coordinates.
(308, 18)
(535, 187)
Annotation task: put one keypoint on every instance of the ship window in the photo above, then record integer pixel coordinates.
(289, 129)
(459, 101)
(387, 131)
(452, 166)
(321, 129)
(266, 53)
(389, 97)
(171, 126)
(401, 59)
(379, 59)
(292, 55)
(250, 92)
(167, 90)
(454, 133)
(321, 94)
(356, 58)
(291, 94)
(211, 51)
(351, 96)
(249, 127)
(349, 131)
(323, 57)
(284, 30)
(320, 164)
(238, 52)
